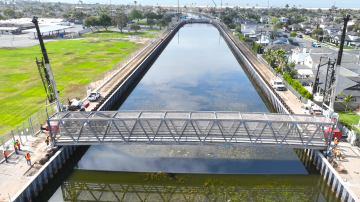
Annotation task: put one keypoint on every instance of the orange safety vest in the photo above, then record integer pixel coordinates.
(27, 156)
(18, 143)
(47, 138)
(15, 146)
(335, 148)
(336, 141)
(5, 153)
(338, 152)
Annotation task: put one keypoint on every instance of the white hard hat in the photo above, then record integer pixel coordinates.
(336, 138)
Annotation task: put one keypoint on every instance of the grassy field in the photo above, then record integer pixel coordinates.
(117, 34)
(74, 63)
(348, 118)
(153, 30)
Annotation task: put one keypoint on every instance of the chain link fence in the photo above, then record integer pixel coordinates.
(31, 126)
(82, 92)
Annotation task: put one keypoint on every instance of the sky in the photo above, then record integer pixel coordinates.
(241, 3)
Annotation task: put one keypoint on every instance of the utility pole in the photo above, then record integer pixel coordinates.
(346, 19)
(48, 69)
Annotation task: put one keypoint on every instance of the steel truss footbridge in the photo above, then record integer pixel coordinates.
(190, 128)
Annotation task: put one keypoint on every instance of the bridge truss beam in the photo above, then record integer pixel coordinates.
(182, 127)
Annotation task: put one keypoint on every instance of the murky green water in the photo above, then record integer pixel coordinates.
(196, 71)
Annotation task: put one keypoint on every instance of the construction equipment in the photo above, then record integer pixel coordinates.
(45, 71)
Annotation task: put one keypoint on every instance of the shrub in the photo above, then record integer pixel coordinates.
(297, 86)
(293, 34)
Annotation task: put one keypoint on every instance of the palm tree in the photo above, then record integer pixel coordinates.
(279, 54)
(287, 6)
(347, 99)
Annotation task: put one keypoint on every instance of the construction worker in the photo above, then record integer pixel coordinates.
(328, 153)
(27, 157)
(16, 149)
(17, 142)
(335, 148)
(47, 139)
(5, 156)
(336, 142)
(338, 154)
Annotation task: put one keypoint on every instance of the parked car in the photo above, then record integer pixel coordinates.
(300, 36)
(277, 83)
(317, 45)
(93, 96)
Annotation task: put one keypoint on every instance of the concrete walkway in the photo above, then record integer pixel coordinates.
(16, 173)
(351, 164)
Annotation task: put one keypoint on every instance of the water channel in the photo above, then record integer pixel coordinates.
(196, 71)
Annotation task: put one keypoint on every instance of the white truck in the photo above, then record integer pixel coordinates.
(93, 96)
(311, 108)
(277, 83)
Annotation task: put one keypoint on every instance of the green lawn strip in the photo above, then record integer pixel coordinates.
(153, 30)
(113, 34)
(74, 63)
(348, 118)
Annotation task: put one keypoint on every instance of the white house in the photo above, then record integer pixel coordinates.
(312, 60)
(299, 54)
(283, 19)
(265, 19)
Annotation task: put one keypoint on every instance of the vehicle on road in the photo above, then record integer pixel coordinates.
(317, 45)
(300, 36)
(77, 105)
(277, 83)
(311, 108)
(93, 96)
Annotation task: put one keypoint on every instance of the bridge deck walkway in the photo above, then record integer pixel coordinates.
(291, 100)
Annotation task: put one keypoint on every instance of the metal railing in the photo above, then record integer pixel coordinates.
(189, 128)
(29, 127)
(98, 81)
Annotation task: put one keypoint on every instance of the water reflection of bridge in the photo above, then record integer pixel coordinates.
(88, 191)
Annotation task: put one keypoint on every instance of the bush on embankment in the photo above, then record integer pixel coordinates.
(297, 86)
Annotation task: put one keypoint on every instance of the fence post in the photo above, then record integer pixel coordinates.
(19, 134)
(42, 117)
(24, 131)
(12, 133)
(31, 126)
(2, 143)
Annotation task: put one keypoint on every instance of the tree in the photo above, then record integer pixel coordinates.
(52, 14)
(279, 54)
(91, 22)
(120, 21)
(79, 15)
(105, 20)
(318, 32)
(278, 25)
(150, 22)
(347, 99)
(338, 21)
(161, 23)
(287, 6)
(2, 17)
(274, 20)
(238, 28)
(135, 27)
(150, 15)
(135, 14)
(65, 15)
(19, 14)
(10, 13)
(293, 34)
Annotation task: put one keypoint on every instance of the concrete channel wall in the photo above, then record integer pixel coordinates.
(42, 177)
(254, 73)
(330, 175)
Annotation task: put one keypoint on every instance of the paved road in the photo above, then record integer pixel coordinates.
(301, 42)
(27, 39)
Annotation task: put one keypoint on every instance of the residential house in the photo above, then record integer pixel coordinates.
(248, 28)
(265, 19)
(299, 54)
(313, 59)
(283, 19)
(295, 27)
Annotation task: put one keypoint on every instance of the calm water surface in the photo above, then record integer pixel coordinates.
(196, 71)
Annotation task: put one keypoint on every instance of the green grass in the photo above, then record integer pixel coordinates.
(115, 34)
(74, 63)
(139, 23)
(153, 30)
(348, 118)
(345, 47)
